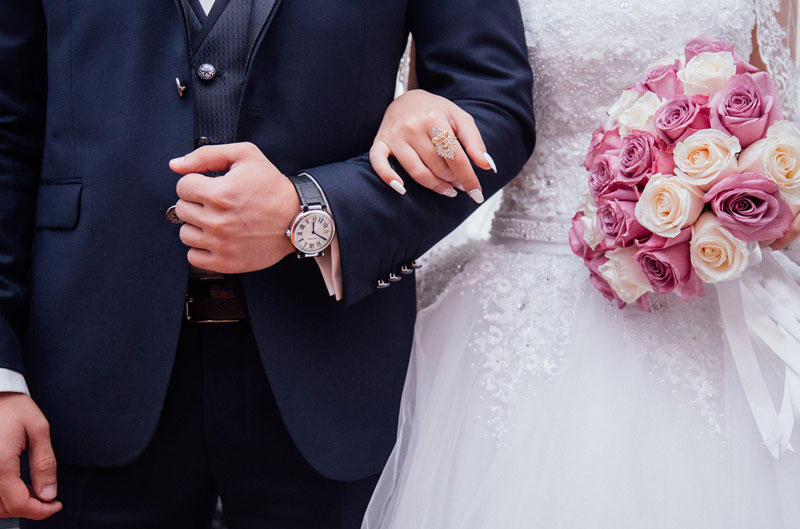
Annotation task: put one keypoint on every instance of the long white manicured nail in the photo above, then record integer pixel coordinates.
(450, 192)
(476, 195)
(458, 186)
(176, 160)
(491, 161)
(397, 186)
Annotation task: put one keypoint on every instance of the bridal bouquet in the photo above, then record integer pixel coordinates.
(694, 168)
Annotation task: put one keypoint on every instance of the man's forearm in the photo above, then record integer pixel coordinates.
(484, 69)
(381, 231)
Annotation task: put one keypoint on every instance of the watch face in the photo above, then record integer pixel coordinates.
(313, 232)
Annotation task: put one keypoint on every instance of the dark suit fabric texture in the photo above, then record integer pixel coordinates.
(93, 279)
(220, 434)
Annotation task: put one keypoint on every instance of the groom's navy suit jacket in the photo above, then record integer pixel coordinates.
(92, 277)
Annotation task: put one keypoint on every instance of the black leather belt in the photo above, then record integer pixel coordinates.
(212, 300)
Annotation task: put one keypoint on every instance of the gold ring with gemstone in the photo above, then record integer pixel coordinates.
(445, 144)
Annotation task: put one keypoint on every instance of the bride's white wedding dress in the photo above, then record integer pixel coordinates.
(531, 401)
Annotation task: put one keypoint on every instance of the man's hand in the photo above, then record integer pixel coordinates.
(23, 426)
(235, 223)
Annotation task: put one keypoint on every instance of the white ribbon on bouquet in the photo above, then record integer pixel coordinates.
(761, 317)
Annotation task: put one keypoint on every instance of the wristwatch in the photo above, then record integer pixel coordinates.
(312, 230)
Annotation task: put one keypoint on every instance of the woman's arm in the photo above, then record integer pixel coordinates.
(483, 69)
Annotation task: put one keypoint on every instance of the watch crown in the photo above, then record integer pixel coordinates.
(288, 234)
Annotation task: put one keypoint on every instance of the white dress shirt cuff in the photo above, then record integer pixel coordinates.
(13, 382)
(330, 265)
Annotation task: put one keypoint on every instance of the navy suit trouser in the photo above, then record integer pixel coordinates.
(220, 434)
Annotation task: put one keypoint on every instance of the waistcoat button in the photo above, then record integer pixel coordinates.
(206, 72)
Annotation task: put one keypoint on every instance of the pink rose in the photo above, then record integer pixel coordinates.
(578, 243)
(667, 264)
(602, 175)
(682, 116)
(746, 107)
(637, 158)
(662, 80)
(603, 141)
(706, 44)
(751, 207)
(616, 221)
(665, 163)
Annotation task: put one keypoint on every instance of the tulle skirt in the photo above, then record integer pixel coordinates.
(532, 402)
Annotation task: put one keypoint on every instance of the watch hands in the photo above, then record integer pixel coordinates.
(317, 234)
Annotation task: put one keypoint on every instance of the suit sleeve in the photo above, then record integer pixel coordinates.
(472, 52)
(22, 103)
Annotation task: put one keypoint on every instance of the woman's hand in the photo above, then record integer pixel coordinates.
(407, 133)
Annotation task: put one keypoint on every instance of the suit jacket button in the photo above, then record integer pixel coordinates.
(383, 284)
(394, 278)
(206, 71)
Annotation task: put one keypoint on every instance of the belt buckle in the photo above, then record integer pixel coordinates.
(188, 314)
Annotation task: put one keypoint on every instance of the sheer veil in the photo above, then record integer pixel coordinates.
(776, 36)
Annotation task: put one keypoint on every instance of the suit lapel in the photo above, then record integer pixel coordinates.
(262, 15)
(207, 23)
(182, 7)
(199, 12)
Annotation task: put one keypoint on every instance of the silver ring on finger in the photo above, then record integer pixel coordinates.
(173, 218)
(444, 143)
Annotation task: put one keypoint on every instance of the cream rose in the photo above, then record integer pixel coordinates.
(625, 101)
(716, 254)
(591, 235)
(640, 115)
(624, 275)
(707, 72)
(668, 204)
(705, 157)
(777, 157)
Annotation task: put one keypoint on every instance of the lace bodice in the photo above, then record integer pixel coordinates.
(583, 54)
